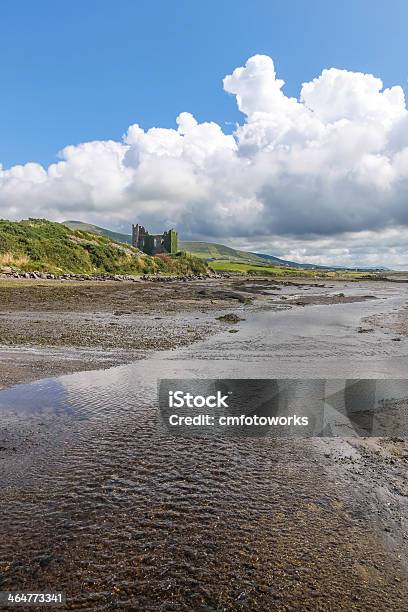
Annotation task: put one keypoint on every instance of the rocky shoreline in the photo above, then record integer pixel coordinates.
(11, 274)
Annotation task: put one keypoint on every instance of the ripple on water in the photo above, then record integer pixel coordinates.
(117, 514)
(121, 515)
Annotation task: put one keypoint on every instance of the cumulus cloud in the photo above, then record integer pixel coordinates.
(322, 177)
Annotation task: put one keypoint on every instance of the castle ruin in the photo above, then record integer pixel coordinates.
(153, 244)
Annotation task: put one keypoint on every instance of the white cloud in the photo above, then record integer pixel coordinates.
(312, 178)
(340, 94)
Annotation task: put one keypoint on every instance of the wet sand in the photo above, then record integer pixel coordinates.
(125, 518)
(48, 328)
(98, 501)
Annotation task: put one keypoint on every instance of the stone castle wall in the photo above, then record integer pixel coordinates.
(153, 244)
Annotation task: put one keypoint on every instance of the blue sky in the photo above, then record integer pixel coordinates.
(84, 70)
(315, 172)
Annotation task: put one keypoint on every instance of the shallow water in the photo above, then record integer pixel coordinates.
(319, 341)
(116, 513)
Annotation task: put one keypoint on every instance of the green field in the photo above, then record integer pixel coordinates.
(244, 268)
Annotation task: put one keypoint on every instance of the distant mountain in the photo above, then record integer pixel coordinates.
(291, 264)
(101, 231)
(211, 251)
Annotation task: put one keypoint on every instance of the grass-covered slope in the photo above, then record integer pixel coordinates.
(221, 257)
(210, 251)
(44, 246)
(101, 231)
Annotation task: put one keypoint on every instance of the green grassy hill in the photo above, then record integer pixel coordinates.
(101, 231)
(209, 251)
(44, 246)
(219, 256)
(214, 251)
